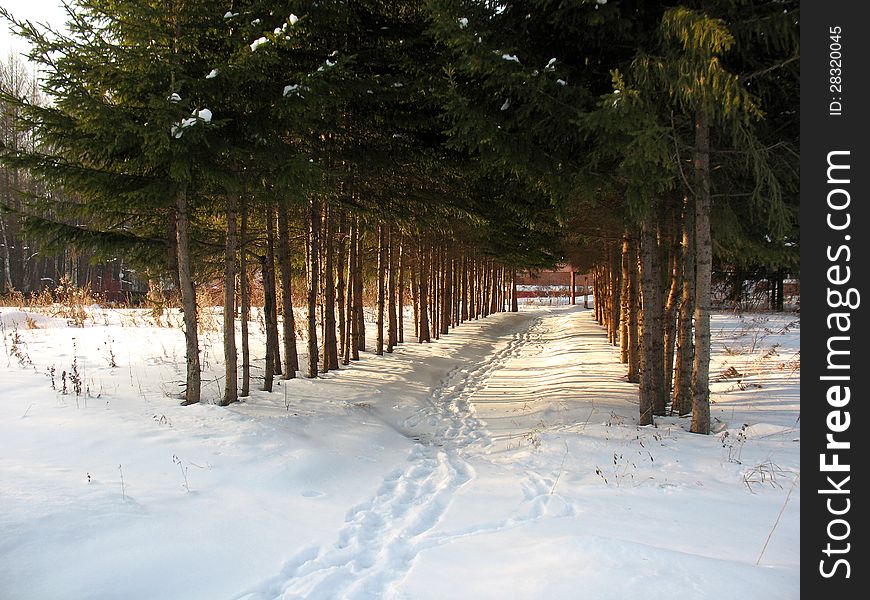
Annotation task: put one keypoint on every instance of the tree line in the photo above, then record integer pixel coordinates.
(420, 153)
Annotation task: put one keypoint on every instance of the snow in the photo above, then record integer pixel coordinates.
(561, 82)
(506, 105)
(510, 57)
(174, 98)
(289, 89)
(550, 65)
(230, 14)
(212, 74)
(258, 42)
(204, 115)
(463, 22)
(501, 461)
(292, 19)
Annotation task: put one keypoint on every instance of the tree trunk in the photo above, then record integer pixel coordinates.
(359, 324)
(172, 251)
(245, 301)
(662, 392)
(493, 294)
(341, 290)
(400, 290)
(231, 389)
(392, 263)
(351, 351)
(704, 257)
(672, 303)
(682, 404)
(313, 283)
(330, 345)
(272, 292)
(515, 303)
(651, 360)
(447, 294)
(7, 261)
(291, 358)
(456, 286)
(624, 296)
(267, 268)
(463, 311)
(414, 275)
(435, 292)
(188, 300)
(423, 334)
(599, 297)
(633, 309)
(382, 268)
(615, 289)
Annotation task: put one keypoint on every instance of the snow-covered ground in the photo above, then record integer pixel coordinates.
(503, 461)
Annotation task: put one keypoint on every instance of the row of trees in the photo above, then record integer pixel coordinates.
(423, 151)
(673, 139)
(24, 266)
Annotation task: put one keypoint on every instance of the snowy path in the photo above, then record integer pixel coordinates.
(383, 536)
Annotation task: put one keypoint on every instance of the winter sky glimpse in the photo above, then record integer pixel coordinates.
(39, 11)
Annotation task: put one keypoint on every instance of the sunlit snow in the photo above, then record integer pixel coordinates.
(258, 42)
(501, 461)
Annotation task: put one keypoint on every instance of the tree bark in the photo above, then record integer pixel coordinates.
(652, 361)
(341, 289)
(615, 289)
(633, 309)
(435, 292)
(414, 275)
(682, 403)
(245, 301)
(231, 387)
(330, 345)
(382, 268)
(392, 267)
(267, 268)
(672, 302)
(485, 289)
(272, 292)
(447, 294)
(423, 334)
(313, 283)
(351, 351)
(400, 290)
(172, 251)
(624, 295)
(472, 288)
(459, 280)
(493, 292)
(291, 358)
(188, 300)
(359, 324)
(704, 257)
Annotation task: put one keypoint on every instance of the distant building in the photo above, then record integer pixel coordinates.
(553, 286)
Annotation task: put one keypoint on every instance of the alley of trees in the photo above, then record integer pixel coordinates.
(382, 153)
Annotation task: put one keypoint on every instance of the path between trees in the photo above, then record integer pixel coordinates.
(517, 376)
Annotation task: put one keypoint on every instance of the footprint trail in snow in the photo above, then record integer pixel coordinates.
(382, 537)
